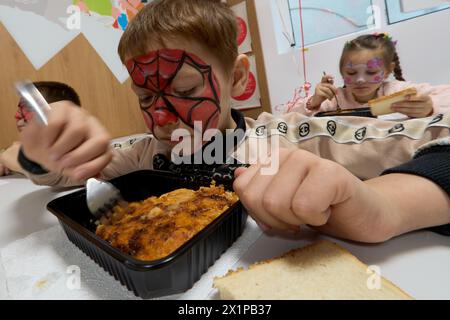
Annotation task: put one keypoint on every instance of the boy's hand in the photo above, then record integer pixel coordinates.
(308, 190)
(3, 170)
(74, 143)
(324, 90)
(9, 158)
(416, 106)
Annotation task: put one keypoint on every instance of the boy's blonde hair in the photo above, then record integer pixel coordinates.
(211, 23)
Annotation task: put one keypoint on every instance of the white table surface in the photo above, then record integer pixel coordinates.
(419, 262)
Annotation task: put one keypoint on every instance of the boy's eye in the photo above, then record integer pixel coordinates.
(146, 100)
(372, 73)
(351, 73)
(184, 93)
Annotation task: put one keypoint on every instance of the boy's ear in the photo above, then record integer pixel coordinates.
(240, 75)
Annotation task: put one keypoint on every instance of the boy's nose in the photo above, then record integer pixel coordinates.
(18, 116)
(163, 117)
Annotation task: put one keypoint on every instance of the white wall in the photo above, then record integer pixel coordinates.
(423, 46)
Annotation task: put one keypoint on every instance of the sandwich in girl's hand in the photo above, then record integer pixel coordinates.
(383, 105)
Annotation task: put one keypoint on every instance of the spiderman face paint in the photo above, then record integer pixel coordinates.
(23, 115)
(371, 72)
(176, 86)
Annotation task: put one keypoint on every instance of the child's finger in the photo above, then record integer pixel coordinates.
(327, 79)
(401, 109)
(417, 98)
(57, 121)
(418, 113)
(411, 103)
(315, 207)
(94, 154)
(333, 89)
(244, 177)
(408, 107)
(415, 113)
(329, 93)
(69, 139)
(326, 93)
(253, 199)
(264, 227)
(251, 185)
(239, 171)
(91, 168)
(279, 194)
(86, 152)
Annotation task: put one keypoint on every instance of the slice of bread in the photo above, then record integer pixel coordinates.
(382, 105)
(323, 270)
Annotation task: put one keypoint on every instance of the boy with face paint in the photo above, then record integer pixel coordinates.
(157, 74)
(8, 157)
(366, 65)
(52, 92)
(183, 60)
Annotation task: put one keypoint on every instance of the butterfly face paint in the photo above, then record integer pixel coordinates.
(164, 103)
(23, 115)
(370, 73)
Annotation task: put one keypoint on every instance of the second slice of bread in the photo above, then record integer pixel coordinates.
(320, 271)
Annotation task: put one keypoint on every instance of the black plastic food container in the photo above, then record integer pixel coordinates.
(175, 273)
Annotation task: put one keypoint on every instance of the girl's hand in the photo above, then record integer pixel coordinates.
(308, 190)
(74, 142)
(417, 106)
(324, 90)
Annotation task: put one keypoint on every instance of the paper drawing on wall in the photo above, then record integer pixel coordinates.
(121, 11)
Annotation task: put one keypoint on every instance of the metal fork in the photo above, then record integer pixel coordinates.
(101, 196)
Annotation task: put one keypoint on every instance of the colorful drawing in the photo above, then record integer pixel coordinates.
(124, 11)
(120, 18)
(132, 7)
(102, 7)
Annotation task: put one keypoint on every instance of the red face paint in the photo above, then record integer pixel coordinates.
(156, 72)
(23, 114)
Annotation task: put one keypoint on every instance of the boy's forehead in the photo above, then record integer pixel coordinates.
(184, 74)
(190, 47)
